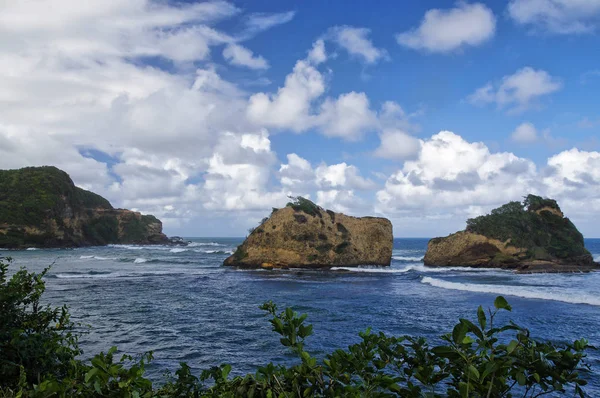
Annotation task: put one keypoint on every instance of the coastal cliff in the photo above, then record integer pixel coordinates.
(41, 207)
(305, 235)
(533, 236)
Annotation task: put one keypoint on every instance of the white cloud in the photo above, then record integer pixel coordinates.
(289, 108)
(356, 42)
(298, 175)
(239, 55)
(573, 178)
(348, 116)
(317, 54)
(519, 91)
(556, 16)
(237, 178)
(451, 173)
(443, 31)
(300, 105)
(259, 22)
(74, 84)
(342, 201)
(341, 175)
(397, 145)
(525, 133)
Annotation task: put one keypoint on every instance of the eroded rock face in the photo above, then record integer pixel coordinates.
(293, 238)
(531, 237)
(41, 207)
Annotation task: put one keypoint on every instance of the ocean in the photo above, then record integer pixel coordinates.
(182, 304)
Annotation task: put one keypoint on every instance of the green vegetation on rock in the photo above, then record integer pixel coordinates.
(41, 206)
(32, 195)
(301, 204)
(543, 233)
(479, 358)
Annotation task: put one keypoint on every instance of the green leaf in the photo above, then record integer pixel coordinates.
(481, 317)
(473, 372)
(501, 304)
(90, 374)
(511, 346)
(521, 379)
(459, 332)
(225, 371)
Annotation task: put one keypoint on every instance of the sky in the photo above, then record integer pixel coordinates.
(208, 114)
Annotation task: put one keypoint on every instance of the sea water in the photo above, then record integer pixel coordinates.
(181, 303)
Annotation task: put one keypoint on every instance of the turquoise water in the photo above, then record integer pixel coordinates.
(182, 304)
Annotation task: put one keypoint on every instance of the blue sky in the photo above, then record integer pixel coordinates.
(207, 114)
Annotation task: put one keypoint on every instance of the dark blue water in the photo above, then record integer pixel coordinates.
(182, 304)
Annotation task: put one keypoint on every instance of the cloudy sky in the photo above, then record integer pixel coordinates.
(207, 114)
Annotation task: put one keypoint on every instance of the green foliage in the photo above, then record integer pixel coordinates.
(135, 229)
(240, 253)
(519, 222)
(324, 248)
(102, 230)
(534, 203)
(341, 248)
(301, 204)
(35, 340)
(32, 195)
(477, 359)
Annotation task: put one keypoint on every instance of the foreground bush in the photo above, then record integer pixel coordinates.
(38, 358)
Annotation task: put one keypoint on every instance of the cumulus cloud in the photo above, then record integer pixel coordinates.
(447, 30)
(300, 105)
(348, 116)
(525, 133)
(517, 92)
(556, 16)
(236, 178)
(357, 43)
(397, 145)
(317, 54)
(298, 175)
(239, 55)
(75, 83)
(451, 173)
(289, 108)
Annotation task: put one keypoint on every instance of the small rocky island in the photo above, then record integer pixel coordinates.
(304, 235)
(533, 236)
(41, 207)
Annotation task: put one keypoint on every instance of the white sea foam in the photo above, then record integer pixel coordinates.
(196, 244)
(32, 248)
(97, 258)
(139, 260)
(213, 251)
(418, 267)
(372, 270)
(555, 294)
(407, 258)
(178, 250)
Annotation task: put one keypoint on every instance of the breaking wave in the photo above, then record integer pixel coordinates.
(140, 260)
(213, 251)
(196, 244)
(407, 258)
(417, 267)
(518, 291)
(96, 258)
